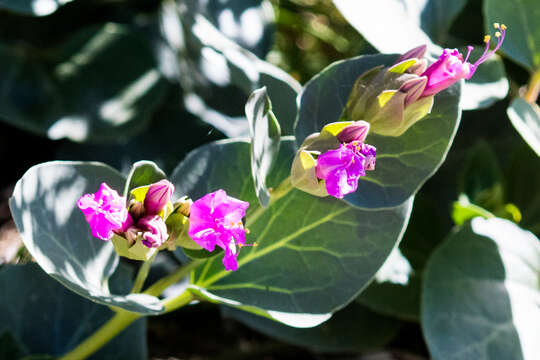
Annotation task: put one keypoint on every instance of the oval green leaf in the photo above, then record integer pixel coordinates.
(404, 163)
(55, 232)
(526, 120)
(481, 294)
(313, 256)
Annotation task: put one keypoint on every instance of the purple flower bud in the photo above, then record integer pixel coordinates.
(355, 132)
(451, 67)
(216, 219)
(158, 196)
(154, 231)
(341, 168)
(413, 88)
(417, 52)
(106, 212)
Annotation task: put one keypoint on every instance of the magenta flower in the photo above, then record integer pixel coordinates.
(341, 168)
(451, 67)
(158, 196)
(216, 219)
(154, 231)
(105, 212)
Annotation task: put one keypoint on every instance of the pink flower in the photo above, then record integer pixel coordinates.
(158, 196)
(105, 212)
(341, 168)
(216, 219)
(154, 230)
(451, 67)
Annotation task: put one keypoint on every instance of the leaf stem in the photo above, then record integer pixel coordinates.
(533, 89)
(283, 189)
(103, 335)
(123, 318)
(142, 274)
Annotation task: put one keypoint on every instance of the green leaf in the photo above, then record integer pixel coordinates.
(143, 173)
(55, 232)
(404, 163)
(395, 291)
(350, 329)
(481, 294)
(313, 256)
(522, 42)
(101, 85)
(32, 7)
(217, 74)
(526, 120)
(265, 138)
(48, 319)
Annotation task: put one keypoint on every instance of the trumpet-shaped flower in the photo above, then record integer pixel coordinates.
(105, 212)
(341, 168)
(216, 219)
(451, 67)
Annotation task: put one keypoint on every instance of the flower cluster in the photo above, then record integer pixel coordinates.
(332, 161)
(215, 219)
(394, 98)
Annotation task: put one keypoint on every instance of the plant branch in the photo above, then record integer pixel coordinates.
(533, 89)
(142, 274)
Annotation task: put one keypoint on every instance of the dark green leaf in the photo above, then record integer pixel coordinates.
(526, 120)
(101, 85)
(350, 329)
(481, 294)
(404, 163)
(522, 43)
(49, 319)
(313, 256)
(395, 291)
(265, 138)
(55, 232)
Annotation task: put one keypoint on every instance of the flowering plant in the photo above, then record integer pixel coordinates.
(318, 184)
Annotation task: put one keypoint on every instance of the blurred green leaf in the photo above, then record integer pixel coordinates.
(265, 136)
(218, 75)
(463, 210)
(313, 255)
(33, 7)
(481, 294)
(522, 42)
(55, 232)
(526, 120)
(99, 86)
(49, 319)
(418, 153)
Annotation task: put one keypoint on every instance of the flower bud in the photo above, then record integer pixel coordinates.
(382, 96)
(158, 195)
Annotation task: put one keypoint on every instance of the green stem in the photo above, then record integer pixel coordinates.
(142, 274)
(123, 318)
(533, 89)
(103, 335)
(283, 189)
